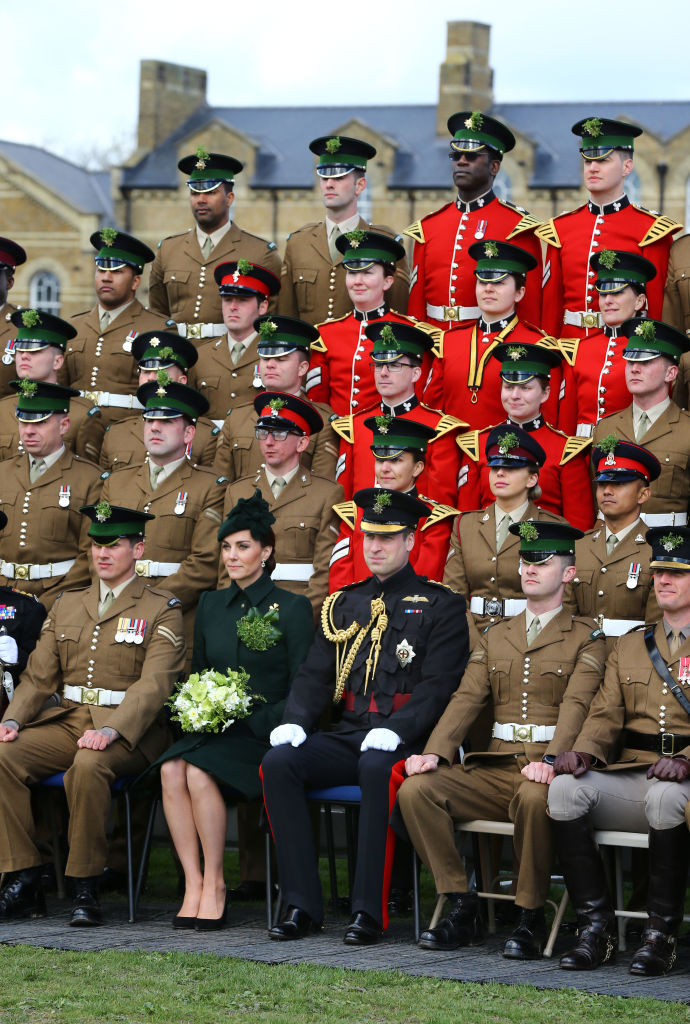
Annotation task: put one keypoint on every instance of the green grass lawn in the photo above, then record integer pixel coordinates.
(41, 986)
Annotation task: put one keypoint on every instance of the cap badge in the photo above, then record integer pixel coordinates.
(491, 250)
(516, 352)
(383, 423)
(103, 511)
(356, 237)
(474, 121)
(646, 331)
(671, 541)
(201, 157)
(155, 342)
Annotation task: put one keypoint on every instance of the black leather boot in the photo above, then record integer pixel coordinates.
(463, 926)
(86, 911)
(669, 851)
(529, 938)
(22, 895)
(586, 882)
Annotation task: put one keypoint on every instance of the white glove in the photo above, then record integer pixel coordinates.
(287, 733)
(380, 739)
(9, 652)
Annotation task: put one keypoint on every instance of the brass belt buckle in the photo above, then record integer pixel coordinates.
(671, 739)
(21, 572)
(523, 732)
(590, 320)
(451, 313)
(89, 696)
(142, 567)
(193, 330)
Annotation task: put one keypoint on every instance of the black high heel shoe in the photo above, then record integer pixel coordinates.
(183, 922)
(212, 924)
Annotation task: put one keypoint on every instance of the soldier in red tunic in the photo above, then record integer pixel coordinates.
(608, 221)
(465, 381)
(594, 369)
(564, 477)
(399, 448)
(441, 284)
(340, 374)
(397, 354)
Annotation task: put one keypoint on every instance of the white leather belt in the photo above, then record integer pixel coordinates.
(109, 398)
(584, 430)
(495, 606)
(145, 567)
(200, 330)
(453, 312)
(93, 695)
(617, 627)
(515, 732)
(294, 571)
(664, 518)
(27, 571)
(582, 318)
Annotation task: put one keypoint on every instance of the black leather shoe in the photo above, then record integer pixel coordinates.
(596, 945)
(462, 927)
(86, 911)
(362, 930)
(48, 879)
(529, 938)
(399, 902)
(22, 895)
(656, 955)
(247, 892)
(112, 881)
(295, 925)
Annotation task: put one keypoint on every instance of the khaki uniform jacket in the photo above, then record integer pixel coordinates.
(8, 371)
(188, 537)
(313, 287)
(550, 683)
(633, 696)
(39, 530)
(123, 443)
(600, 589)
(85, 434)
(223, 383)
(669, 440)
(306, 527)
(182, 285)
(76, 648)
(475, 569)
(238, 452)
(676, 308)
(102, 360)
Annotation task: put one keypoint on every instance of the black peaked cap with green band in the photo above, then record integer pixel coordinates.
(600, 135)
(540, 540)
(156, 349)
(496, 259)
(38, 399)
(340, 154)
(205, 171)
(360, 249)
(616, 269)
(110, 522)
(648, 339)
(520, 363)
(386, 511)
(165, 399)
(392, 435)
(115, 249)
(280, 335)
(392, 341)
(472, 130)
(36, 330)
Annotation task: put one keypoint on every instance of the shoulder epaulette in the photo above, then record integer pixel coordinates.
(568, 347)
(305, 227)
(547, 232)
(438, 511)
(347, 510)
(573, 447)
(659, 228)
(319, 345)
(435, 333)
(169, 238)
(526, 223)
(446, 424)
(469, 444)
(436, 583)
(415, 231)
(345, 428)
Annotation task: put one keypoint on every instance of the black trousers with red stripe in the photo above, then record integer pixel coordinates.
(328, 759)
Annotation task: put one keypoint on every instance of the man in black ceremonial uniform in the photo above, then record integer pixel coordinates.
(389, 653)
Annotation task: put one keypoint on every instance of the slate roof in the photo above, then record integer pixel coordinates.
(282, 135)
(88, 191)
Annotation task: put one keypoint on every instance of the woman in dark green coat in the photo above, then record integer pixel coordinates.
(224, 638)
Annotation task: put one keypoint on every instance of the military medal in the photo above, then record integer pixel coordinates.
(257, 382)
(130, 631)
(683, 670)
(121, 630)
(404, 652)
(181, 503)
(481, 229)
(633, 575)
(64, 496)
(188, 450)
(8, 355)
(127, 343)
(140, 631)
(7, 611)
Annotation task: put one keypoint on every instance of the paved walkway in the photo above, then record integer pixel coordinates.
(246, 938)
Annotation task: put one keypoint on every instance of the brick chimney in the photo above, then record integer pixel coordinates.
(466, 79)
(168, 94)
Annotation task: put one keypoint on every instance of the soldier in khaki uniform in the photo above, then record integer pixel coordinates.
(98, 360)
(676, 308)
(484, 557)
(227, 370)
(643, 708)
(40, 341)
(283, 350)
(11, 257)
(182, 550)
(652, 419)
(44, 548)
(302, 502)
(178, 285)
(107, 660)
(540, 670)
(613, 583)
(123, 444)
(312, 275)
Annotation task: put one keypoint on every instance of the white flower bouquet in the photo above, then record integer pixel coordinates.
(210, 701)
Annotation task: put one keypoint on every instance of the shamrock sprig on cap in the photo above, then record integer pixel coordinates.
(103, 511)
(201, 157)
(608, 259)
(267, 328)
(516, 352)
(28, 387)
(383, 423)
(244, 267)
(507, 442)
(163, 378)
(356, 237)
(30, 318)
(671, 541)
(474, 121)
(388, 337)
(528, 531)
(491, 250)
(276, 404)
(166, 353)
(593, 126)
(608, 443)
(108, 236)
(382, 501)
(333, 145)
(646, 331)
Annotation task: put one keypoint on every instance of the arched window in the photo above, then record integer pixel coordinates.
(503, 187)
(632, 187)
(44, 292)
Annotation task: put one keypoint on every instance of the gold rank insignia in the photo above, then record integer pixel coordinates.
(416, 599)
(660, 227)
(547, 232)
(469, 444)
(344, 427)
(347, 510)
(415, 231)
(569, 347)
(438, 512)
(573, 447)
(445, 424)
